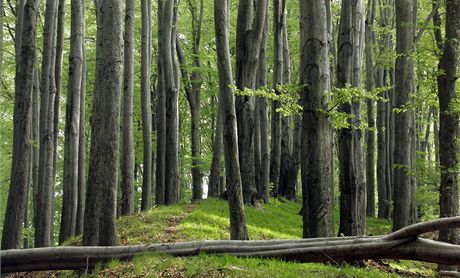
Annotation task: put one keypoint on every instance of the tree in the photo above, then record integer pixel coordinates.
(349, 67)
(127, 161)
(82, 146)
(248, 37)
(72, 136)
(146, 202)
(403, 191)
(261, 122)
(21, 145)
(100, 211)
(45, 202)
(370, 134)
(167, 112)
(316, 142)
(238, 230)
(449, 118)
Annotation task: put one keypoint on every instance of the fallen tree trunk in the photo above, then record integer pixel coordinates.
(403, 244)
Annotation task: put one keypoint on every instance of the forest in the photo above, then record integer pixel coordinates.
(247, 138)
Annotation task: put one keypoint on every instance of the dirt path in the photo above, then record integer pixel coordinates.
(170, 232)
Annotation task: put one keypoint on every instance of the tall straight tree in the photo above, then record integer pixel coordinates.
(146, 202)
(82, 145)
(275, 150)
(238, 230)
(127, 161)
(167, 113)
(404, 73)
(46, 168)
(72, 128)
(316, 129)
(449, 120)
(249, 31)
(24, 79)
(262, 119)
(100, 212)
(370, 134)
(349, 68)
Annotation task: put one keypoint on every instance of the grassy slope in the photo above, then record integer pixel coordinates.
(209, 220)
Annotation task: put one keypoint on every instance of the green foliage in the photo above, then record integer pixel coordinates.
(348, 95)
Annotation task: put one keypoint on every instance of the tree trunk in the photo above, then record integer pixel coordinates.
(82, 145)
(71, 148)
(214, 176)
(146, 202)
(127, 160)
(449, 120)
(349, 67)
(46, 168)
(160, 113)
(316, 142)
(403, 195)
(262, 115)
(100, 211)
(238, 230)
(370, 134)
(275, 150)
(24, 80)
(248, 38)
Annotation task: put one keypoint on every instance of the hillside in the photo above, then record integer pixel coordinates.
(208, 219)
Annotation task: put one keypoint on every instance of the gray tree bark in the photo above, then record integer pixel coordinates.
(24, 79)
(46, 168)
(100, 211)
(449, 120)
(370, 134)
(238, 230)
(217, 144)
(160, 114)
(248, 38)
(275, 150)
(349, 71)
(72, 129)
(146, 202)
(404, 81)
(82, 146)
(262, 119)
(127, 160)
(316, 142)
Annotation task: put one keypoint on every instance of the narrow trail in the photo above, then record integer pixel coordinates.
(170, 232)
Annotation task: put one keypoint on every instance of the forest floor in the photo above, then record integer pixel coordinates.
(208, 219)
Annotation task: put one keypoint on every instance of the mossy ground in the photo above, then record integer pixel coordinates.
(208, 219)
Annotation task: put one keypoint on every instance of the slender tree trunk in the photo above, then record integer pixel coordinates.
(238, 230)
(1, 47)
(82, 145)
(100, 211)
(403, 195)
(146, 202)
(349, 68)
(370, 134)
(24, 78)
(316, 129)
(261, 111)
(449, 120)
(46, 179)
(161, 112)
(72, 129)
(214, 176)
(127, 166)
(275, 150)
(248, 38)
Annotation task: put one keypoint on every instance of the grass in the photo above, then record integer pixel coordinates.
(209, 220)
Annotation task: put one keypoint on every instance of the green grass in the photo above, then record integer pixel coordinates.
(209, 220)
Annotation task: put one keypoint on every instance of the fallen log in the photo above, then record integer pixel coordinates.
(403, 244)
